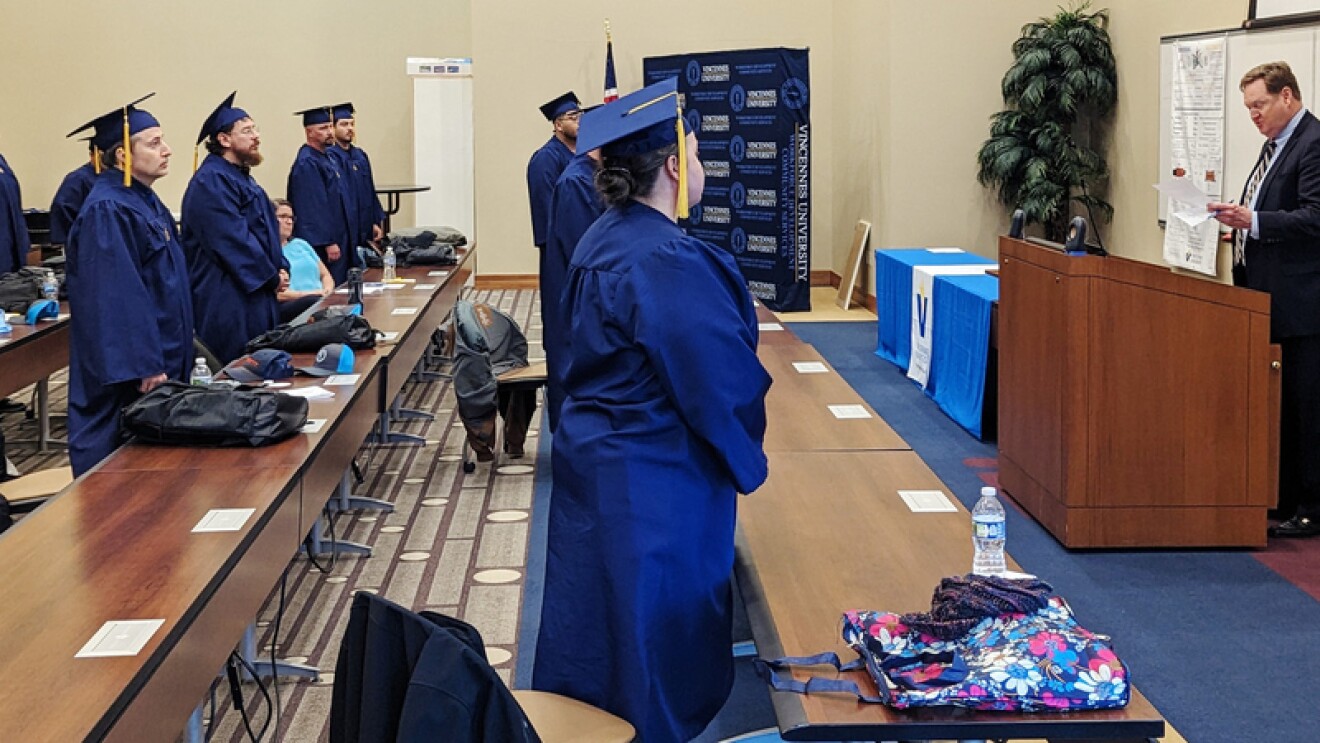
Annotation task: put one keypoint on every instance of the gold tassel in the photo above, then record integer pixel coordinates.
(128, 153)
(96, 159)
(681, 211)
(195, 158)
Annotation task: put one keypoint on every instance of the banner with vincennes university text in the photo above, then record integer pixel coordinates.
(751, 112)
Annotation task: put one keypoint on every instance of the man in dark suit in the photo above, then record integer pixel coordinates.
(1276, 243)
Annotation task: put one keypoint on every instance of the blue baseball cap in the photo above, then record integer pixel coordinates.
(42, 309)
(333, 358)
(268, 363)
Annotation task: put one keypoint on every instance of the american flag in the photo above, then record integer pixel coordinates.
(611, 84)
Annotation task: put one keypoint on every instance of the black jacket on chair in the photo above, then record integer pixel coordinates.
(1285, 261)
(403, 676)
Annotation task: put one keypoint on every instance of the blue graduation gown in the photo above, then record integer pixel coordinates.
(574, 207)
(232, 243)
(69, 198)
(319, 193)
(14, 242)
(131, 310)
(661, 428)
(543, 170)
(366, 203)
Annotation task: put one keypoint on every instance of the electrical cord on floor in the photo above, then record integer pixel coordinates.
(334, 553)
(236, 691)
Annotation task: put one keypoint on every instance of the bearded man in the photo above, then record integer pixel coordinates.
(231, 238)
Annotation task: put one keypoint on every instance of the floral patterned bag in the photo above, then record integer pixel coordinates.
(1025, 662)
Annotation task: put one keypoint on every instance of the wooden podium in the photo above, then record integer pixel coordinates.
(1137, 407)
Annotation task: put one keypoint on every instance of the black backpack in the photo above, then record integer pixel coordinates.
(352, 330)
(179, 414)
(19, 289)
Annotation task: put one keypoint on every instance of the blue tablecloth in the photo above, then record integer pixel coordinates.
(893, 296)
(960, 346)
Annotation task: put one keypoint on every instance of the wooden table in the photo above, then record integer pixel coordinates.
(29, 355)
(117, 544)
(828, 533)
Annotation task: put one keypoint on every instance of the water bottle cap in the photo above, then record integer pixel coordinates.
(987, 491)
(200, 360)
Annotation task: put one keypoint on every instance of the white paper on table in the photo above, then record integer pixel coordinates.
(388, 336)
(437, 273)
(341, 380)
(313, 425)
(927, 501)
(223, 519)
(768, 326)
(394, 286)
(311, 393)
(424, 287)
(120, 638)
(843, 412)
(810, 367)
(404, 311)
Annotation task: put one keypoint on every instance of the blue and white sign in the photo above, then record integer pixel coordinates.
(751, 112)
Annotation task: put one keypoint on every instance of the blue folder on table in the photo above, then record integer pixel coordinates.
(893, 296)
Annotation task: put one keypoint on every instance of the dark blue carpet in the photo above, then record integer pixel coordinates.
(1225, 648)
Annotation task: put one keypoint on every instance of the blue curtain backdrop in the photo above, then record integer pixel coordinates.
(751, 112)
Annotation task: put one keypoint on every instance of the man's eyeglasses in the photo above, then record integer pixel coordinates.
(571, 115)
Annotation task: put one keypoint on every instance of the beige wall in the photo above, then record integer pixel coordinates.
(901, 93)
(525, 53)
(67, 62)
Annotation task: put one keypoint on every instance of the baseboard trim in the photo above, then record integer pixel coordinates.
(507, 281)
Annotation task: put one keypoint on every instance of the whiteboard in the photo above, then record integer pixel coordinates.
(1275, 8)
(1295, 45)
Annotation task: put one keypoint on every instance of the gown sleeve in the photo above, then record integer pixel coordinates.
(312, 204)
(115, 311)
(693, 317)
(216, 216)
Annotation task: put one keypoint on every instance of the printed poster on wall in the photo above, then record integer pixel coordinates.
(1191, 240)
(751, 113)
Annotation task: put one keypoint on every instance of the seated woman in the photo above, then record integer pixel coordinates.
(309, 280)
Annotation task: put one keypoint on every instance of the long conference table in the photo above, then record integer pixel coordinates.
(828, 532)
(29, 355)
(118, 544)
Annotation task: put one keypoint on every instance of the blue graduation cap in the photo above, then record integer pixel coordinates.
(223, 115)
(117, 127)
(560, 106)
(318, 115)
(640, 122)
(342, 111)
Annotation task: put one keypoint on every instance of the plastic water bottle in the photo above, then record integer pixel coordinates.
(988, 535)
(5, 327)
(390, 263)
(201, 373)
(50, 288)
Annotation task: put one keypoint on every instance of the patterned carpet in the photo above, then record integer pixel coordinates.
(454, 543)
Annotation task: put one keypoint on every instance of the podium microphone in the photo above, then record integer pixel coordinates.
(1076, 243)
(1015, 230)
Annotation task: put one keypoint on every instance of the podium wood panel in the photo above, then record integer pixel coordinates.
(1138, 407)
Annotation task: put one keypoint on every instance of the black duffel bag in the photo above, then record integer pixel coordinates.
(440, 254)
(352, 330)
(19, 289)
(184, 415)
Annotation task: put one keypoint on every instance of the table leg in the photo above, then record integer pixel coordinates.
(344, 499)
(248, 650)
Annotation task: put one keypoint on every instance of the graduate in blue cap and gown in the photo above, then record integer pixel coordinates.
(548, 163)
(71, 194)
(368, 216)
(132, 324)
(574, 207)
(231, 238)
(661, 428)
(14, 241)
(321, 196)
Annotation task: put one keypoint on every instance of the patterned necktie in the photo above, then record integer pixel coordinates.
(1257, 175)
